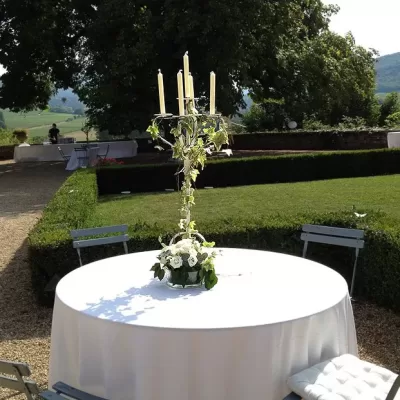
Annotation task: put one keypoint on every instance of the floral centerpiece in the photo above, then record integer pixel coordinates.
(190, 261)
(187, 263)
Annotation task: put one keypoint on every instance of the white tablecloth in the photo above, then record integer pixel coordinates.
(75, 163)
(126, 149)
(120, 334)
(393, 139)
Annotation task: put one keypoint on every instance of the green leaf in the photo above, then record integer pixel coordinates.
(211, 280)
(153, 130)
(155, 266)
(161, 274)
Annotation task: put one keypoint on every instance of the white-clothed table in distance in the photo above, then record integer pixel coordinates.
(125, 149)
(393, 139)
(75, 163)
(120, 334)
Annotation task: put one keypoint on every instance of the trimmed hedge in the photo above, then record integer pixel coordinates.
(48, 241)
(314, 140)
(378, 276)
(252, 171)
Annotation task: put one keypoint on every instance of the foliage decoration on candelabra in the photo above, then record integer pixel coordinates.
(190, 261)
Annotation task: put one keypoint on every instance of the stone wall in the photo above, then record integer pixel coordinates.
(351, 140)
(7, 152)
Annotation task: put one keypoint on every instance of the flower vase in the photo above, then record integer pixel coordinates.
(180, 280)
(187, 263)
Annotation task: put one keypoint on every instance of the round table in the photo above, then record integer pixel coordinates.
(120, 334)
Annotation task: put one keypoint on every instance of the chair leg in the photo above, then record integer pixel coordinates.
(305, 249)
(354, 273)
(126, 248)
(21, 380)
(79, 255)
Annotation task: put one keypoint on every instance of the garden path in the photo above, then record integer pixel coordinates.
(25, 190)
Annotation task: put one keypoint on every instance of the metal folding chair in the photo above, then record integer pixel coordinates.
(335, 236)
(65, 157)
(78, 244)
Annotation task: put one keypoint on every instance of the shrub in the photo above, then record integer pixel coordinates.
(352, 123)
(49, 242)
(21, 135)
(268, 115)
(7, 138)
(311, 123)
(393, 120)
(36, 139)
(2, 121)
(390, 105)
(252, 171)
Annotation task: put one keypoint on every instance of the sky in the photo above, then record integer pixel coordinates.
(374, 23)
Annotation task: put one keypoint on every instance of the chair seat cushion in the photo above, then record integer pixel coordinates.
(343, 378)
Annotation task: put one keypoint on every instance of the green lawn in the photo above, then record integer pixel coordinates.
(376, 193)
(38, 123)
(33, 119)
(64, 127)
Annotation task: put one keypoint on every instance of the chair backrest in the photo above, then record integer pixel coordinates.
(335, 236)
(61, 387)
(15, 380)
(81, 233)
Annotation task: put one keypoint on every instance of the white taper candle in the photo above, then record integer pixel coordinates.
(186, 73)
(161, 92)
(212, 93)
(180, 94)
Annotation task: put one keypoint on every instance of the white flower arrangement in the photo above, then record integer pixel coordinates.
(188, 262)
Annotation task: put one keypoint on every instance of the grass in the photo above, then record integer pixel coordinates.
(64, 127)
(38, 123)
(376, 193)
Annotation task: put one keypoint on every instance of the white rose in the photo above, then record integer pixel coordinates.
(173, 249)
(192, 260)
(176, 262)
(184, 243)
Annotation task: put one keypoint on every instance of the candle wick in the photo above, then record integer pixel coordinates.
(159, 70)
(180, 71)
(187, 53)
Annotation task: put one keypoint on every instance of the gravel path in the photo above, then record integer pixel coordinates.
(25, 189)
(25, 328)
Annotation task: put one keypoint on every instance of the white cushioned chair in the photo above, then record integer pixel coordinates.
(344, 378)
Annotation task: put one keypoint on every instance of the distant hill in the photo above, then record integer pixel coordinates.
(388, 73)
(72, 100)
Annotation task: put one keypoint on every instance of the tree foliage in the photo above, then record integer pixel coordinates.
(327, 76)
(2, 121)
(109, 52)
(390, 105)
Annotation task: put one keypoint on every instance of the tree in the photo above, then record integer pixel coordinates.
(327, 76)
(64, 100)
(390, 105)
(36, 68)
(79, 111)
(111, 51)
(2, 121)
